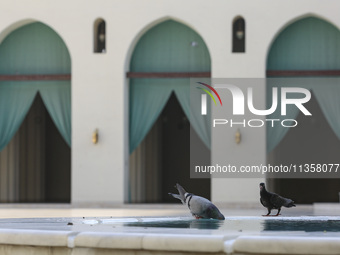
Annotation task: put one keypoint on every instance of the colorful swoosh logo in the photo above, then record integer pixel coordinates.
(207, 91)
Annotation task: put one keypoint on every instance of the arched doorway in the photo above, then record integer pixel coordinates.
(35, 129)
(159, 126)
(308, 48)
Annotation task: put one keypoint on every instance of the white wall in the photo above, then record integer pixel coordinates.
(99, 87)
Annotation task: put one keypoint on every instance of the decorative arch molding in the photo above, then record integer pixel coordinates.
(283, 26)
(33, 77)
(9, 29)
(14, 26)
(147, 27)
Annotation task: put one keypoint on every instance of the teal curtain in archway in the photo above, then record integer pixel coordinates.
(15, 101)
(307, 44)
(276, 132)
(167, 47)
(57, 99)
(34, 49)
(190, 102)
(147, 100)
(328, 97)
(149, 97)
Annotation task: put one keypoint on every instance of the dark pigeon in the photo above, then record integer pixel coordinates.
(273, 201)
(199, 207)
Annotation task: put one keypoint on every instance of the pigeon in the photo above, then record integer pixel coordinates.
(200, 207)
(273, 201)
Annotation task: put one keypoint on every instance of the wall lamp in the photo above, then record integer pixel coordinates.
(95, 136)
(238, 137)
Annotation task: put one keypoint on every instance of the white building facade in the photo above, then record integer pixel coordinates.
(99, 173)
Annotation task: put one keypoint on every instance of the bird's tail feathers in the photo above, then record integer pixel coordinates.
(181, 192)
(177, 196)
(290, 203)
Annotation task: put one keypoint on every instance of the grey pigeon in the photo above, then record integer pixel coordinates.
(273, 201)
(199, 207)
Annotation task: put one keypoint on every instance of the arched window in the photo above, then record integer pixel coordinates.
(99, 36)
(239, 35)
(167, 54)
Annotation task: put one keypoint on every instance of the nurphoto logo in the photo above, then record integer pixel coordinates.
(204, 97)
(298, 97)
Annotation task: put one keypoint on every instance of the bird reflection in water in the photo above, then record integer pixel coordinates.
(302, 225)
(195, 224)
